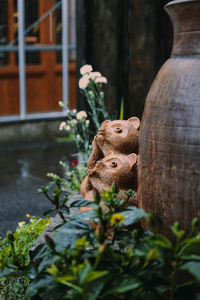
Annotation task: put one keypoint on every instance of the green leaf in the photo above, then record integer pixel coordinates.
(8, 271)
(190, 246)
(88, 215)
(57, 192)
(44, 282)
(193, 268)
(121, 116)
(95, 288)
(65, 281)
(93, 275)
(180, 234)
(84, 272)
(175, 229)
(133, 215)
(68, 233)
(191, 257)
(46, 262)
(82, 203)
(161, 240)
(123, 284)
(39, 252)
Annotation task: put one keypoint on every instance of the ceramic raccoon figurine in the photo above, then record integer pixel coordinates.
(115, 167)
(119, 136)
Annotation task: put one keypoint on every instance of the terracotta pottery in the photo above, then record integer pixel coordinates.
(169, 147)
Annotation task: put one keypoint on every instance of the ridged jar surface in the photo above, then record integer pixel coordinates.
(169, 148)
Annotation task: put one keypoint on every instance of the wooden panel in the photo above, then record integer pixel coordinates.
(38, 89)
(9, 95)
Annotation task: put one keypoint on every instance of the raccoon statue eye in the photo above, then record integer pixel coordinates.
(118, 129)
(113, 164)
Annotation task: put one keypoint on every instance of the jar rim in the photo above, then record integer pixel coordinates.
(174, 2)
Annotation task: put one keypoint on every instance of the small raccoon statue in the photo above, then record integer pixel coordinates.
(115, 167)
(119, 136)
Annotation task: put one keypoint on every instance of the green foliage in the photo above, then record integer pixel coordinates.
(14, 257)
(59, 190)
(56, 194)
(121, 115)
(103, 253)
(74, 175)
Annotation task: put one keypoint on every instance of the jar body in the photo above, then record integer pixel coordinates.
(169, 147)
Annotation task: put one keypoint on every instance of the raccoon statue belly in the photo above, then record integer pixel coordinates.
(119, 136)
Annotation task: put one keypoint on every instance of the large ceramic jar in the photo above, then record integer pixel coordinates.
(169, 150)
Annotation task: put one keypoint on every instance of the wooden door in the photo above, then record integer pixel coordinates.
(43, 68)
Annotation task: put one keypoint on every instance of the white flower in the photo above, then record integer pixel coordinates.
(20, 224)
(86, 69)
(68, 128)
(74, 111)
(94, 75)
(62, 125)
(83, 82)
(67, 111)
(78, 136)
(87, 122)
(101, 80)
(81, 114)
(73, 121)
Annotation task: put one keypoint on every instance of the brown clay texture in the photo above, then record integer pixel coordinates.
(115, 168)
(118, 136)
(113, 158)
(169, 146)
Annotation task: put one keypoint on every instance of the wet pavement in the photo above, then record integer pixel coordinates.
(22, 171)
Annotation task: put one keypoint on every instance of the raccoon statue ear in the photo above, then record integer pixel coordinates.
(105, 122)
(135, 121)
(132, 159)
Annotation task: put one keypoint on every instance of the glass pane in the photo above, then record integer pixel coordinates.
(4, 57)
(58, 24)
(32, 37)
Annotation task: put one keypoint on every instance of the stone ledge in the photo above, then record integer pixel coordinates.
(29, 132)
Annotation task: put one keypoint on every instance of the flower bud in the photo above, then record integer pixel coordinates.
(61, 104)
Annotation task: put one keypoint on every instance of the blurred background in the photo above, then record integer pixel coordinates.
(43, 44)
